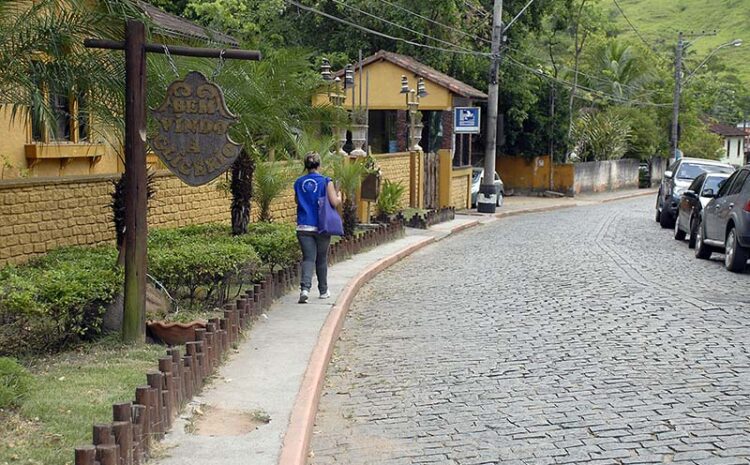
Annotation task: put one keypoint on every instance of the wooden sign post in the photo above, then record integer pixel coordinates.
(136, 230)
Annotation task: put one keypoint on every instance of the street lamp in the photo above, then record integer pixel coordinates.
(412, 106)
(336, 97)
(679, 82)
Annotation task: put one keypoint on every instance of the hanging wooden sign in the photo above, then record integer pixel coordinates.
(193, 124)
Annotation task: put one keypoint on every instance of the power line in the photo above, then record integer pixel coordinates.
(437, 23)
(592, 77)
(604, 95)
(381, 34)
(632, 26)
(421, 34)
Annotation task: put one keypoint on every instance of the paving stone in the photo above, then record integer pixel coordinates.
(585, 336)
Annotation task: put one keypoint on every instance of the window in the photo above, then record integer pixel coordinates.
(729, 153)
(695, 186)
(69, 121)
(739, 181)
(382, 131)
(739, 144)
(714, 183)
(723, 190)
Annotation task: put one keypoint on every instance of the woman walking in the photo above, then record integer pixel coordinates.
(307, 190)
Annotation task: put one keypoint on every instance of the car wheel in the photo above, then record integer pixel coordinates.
(702, 250)
(679, 234)
(666, 220)
(735, 258)
(658, 211)
(694, 225)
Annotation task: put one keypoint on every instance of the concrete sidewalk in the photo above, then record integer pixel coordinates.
(264, 376)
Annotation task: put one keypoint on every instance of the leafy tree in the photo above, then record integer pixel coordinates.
(601, 135)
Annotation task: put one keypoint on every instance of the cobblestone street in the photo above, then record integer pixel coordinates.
(583, 336)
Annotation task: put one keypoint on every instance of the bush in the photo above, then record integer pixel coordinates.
(185, 261)
(389, 200)
(276, 244)
(15, 383)
(56, 299)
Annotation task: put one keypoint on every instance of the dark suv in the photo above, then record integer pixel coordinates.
(676, 180)
(726, 223)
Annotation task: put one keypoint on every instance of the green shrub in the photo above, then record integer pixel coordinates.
(15, 382)
(276, 244)
(208, 261)
(56, 299)
(389, 200)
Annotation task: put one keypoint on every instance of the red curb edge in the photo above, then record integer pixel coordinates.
(296, 443)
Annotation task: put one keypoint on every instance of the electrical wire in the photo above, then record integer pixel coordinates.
(421, 34)
(381, 34)
(632, 26)
(437, 23)
(602, 94)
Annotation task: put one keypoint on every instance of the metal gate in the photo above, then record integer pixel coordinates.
(431, 173)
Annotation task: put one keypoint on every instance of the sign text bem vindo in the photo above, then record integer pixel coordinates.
(193, 124)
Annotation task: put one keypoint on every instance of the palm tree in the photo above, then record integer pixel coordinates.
(619, 69)
(348, 173)
(43, 56)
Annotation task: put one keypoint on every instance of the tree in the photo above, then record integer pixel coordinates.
(601, 135)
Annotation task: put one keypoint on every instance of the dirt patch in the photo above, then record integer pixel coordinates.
(217, 421)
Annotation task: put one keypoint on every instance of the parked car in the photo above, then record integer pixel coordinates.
(725, 225)
(476, 180)
(692, 202)
(676, 180)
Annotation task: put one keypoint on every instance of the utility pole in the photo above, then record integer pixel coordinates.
(487, 199)
(677, 92)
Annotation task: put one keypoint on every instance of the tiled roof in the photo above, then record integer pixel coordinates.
(176, 26)
(727, 130)
(452, 84)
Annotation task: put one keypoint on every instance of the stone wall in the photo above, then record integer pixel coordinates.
(599, 176)
(395, 167)
(460, 185)
(37, 215)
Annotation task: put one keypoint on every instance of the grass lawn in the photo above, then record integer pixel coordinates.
(659, 21)
(72, 391)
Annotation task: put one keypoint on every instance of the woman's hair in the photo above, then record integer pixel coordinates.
(312, 161)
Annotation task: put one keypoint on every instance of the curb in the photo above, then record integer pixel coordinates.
(294, 449)
(631, 196)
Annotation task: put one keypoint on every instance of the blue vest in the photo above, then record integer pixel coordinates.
(308, 189)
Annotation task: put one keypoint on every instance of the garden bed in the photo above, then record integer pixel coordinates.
(423, 219)
(75, 388)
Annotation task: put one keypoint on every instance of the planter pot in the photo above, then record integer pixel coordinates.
(416, 137)
(359, 136)
(174, 334)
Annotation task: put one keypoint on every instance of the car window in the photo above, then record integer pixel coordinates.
(724, 187)
(497, 178)
(714, 183)
(476, 174)
(738, 182)
(673, 166)
(696, 185)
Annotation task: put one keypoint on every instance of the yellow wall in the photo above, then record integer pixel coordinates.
(37, 215)
(59, 159)
(461, 188)
(385, 88)
(395, 167)
(534, 174)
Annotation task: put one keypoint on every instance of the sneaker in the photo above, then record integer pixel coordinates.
(303, 296)
(325, 295)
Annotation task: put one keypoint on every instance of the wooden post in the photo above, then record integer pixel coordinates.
(134, 311)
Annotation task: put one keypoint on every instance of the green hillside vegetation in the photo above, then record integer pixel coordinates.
(659, 21)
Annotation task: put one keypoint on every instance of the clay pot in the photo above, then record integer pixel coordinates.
(174, 334)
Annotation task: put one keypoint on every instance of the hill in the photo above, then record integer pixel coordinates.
(659, 21)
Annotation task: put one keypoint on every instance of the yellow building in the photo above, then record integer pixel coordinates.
(75, 148)
(443, 171)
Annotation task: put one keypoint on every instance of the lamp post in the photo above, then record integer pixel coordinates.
(412, 107)
(336, 97)
(682, 45)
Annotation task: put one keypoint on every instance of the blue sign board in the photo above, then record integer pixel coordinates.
(466, 120)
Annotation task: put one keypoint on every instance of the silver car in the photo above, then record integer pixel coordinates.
(476, 180)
